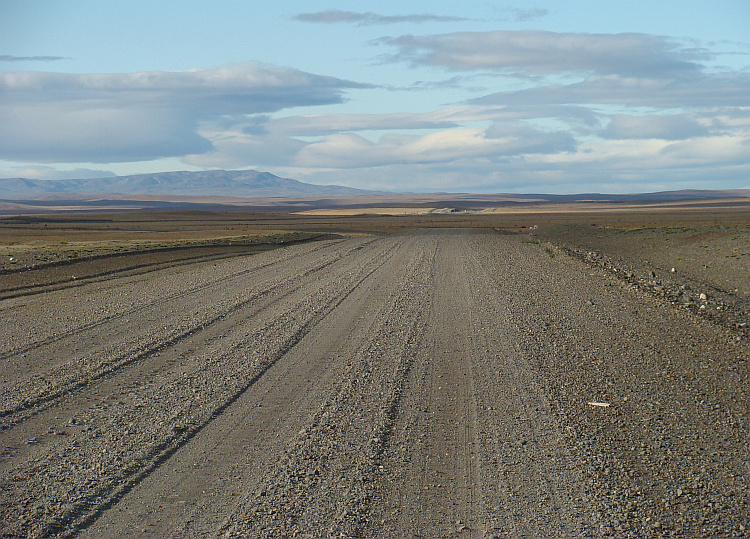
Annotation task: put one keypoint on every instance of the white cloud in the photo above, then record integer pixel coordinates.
(511, 151)
(651, 157)
(251, 79)
(472, 160)
(698, 91)
(663, 126)
(440, 119)
(353, 151)
(233, 147)
(630, 110)
(95, 132)
(57, 117)
(321, 124)
(541, 52)
(708, 151)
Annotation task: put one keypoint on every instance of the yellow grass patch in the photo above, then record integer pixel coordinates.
(366, 211)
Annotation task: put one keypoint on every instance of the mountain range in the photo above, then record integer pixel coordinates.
(225, 183)
(218, 187)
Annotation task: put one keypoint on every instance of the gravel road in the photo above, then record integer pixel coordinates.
(436, 383)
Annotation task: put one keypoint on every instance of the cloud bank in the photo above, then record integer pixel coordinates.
(537, 52)
(104, 118)
(561, 112)
(622, 108)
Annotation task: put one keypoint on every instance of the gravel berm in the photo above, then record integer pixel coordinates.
(435, 383)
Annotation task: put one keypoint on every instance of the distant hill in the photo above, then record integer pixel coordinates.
(658, 196)
(226, 183)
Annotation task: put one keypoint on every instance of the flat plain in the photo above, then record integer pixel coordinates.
(535, 372)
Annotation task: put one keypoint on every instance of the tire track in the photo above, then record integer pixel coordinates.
(436, 383)
(98, 502)
(136, 268)
(163, 437)
(182, 294)
(276, 293)
(434, 449)
(32, 405)
(344, 442)
(36, 392)
(532, 481)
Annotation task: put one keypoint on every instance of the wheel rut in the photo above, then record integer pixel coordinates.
(142, 307)
(60, 359)
(127, 268)
(433, 453)
(109, 411)
(434, 383)
(337, 457)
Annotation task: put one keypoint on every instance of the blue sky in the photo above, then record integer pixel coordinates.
(557, 97)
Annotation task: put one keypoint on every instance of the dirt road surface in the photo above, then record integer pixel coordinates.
(435, 383)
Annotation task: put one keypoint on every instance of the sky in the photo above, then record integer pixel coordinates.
(569, 96)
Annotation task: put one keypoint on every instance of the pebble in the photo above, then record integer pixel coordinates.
(643, 509)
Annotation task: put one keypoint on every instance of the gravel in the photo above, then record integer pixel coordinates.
(435, 383)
